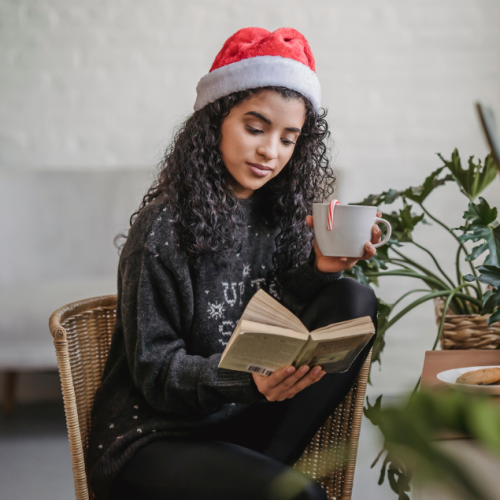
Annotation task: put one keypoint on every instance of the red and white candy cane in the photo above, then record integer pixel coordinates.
(331, 208)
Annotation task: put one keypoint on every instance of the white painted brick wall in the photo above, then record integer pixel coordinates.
(101, 84)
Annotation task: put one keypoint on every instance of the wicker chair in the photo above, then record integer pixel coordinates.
(82, 336)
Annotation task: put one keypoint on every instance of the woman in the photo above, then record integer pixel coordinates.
(226, 216)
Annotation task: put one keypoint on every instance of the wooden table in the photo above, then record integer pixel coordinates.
(482, 465)
(439, 361)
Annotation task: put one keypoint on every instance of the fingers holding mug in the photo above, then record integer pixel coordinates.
(376, 234)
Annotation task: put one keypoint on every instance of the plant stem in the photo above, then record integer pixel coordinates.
(474, 272)
(472, 300)
(477, 288)
(433, 295)
(442, 224)
(459, 307)
(377, 459)
(442, 286)
(415, 389)
(408, 293)
(459, 274)
(435, 262)
(457, 265)
(397, 262)
(443, 316)
(433, 281)
(411, 274)
(459, 277)
(411, 262)
(416, 303)
(440, 330)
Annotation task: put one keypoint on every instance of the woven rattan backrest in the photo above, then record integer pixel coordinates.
(330, 457)
(82, 336)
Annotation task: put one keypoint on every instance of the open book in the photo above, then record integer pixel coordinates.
(268, 337)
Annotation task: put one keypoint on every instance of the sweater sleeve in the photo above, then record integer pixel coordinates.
(305, 282)
(155, 311)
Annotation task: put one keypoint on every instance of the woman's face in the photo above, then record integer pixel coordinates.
(258, 139)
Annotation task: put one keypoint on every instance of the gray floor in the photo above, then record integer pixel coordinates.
(34, 454)
(35, 460)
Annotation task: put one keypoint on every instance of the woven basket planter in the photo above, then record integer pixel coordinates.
(466, 331)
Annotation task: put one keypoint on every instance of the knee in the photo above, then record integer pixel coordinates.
(352, 297)
(355, 291)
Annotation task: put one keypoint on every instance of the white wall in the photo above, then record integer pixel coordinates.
(101, 84)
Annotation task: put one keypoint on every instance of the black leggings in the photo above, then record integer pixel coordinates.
(249, 458)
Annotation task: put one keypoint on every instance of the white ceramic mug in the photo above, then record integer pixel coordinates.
(351, 229)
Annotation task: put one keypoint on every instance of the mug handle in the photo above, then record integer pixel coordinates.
(389, 232)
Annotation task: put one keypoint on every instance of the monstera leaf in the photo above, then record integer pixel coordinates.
(417, 194)
(387, 197)
(420, 193)
(403, 223)
(476, 178)
(489, 275)
(490, 305)
(381, 258)
(362, 267)
(373, 412)
(376, 263)
(481, 225)
(410, 430)
(358, 273)
(399, 478)
(384, 310)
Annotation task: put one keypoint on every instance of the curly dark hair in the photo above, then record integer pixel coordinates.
(203, 205)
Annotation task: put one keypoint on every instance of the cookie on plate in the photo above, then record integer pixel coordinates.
(480, 377)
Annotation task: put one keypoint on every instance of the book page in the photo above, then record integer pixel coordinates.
(269, 337)
(334, 355)
(344, 329)
(234, 336)
(263, 308)
(266, 315)
(302, 353)
(260, 353)
(251, 326)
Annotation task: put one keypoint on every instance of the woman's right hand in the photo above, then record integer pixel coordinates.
(286, 382)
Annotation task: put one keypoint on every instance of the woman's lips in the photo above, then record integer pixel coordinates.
(259, 170)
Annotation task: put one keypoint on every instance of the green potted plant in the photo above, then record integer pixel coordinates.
(408, 430)
(461, 296)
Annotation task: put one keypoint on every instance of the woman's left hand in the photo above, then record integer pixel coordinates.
(335, 264)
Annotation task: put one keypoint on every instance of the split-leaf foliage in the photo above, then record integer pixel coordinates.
(461, 294)
(410, 429)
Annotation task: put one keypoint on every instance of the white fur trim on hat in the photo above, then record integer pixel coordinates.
(259, 71)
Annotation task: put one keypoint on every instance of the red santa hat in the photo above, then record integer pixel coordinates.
(255, 57)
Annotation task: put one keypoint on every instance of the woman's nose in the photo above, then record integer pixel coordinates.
(269, 150)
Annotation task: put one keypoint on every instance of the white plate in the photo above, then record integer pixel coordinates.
(450, 377)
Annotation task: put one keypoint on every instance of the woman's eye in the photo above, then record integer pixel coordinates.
(254, 130)
(286, 142)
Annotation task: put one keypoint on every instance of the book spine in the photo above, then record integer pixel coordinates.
(303, 352)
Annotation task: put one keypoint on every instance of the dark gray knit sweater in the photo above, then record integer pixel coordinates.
(173, 321)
